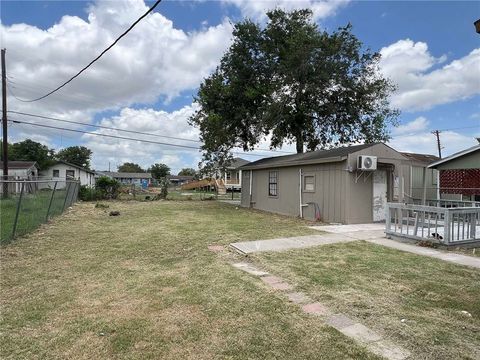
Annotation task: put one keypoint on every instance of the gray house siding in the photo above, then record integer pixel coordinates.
(343, 194)
(330, 181)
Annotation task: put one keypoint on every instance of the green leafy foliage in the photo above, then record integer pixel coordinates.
(159, 171)
(187, 172)
(131, 168)
(29, 150)
(107, 188)
(78, 155)
(296, 83)
(164, 183)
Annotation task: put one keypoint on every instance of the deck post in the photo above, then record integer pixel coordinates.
(446, 227)
(424, 193)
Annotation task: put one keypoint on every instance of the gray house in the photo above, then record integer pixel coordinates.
(344, 185)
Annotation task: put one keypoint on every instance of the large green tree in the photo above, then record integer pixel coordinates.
(294, 82)
(78, 155)
(187, 172)
(29, 150)
(130, 167)
(159, 171)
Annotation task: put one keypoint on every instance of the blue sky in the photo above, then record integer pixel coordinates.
(429, 48)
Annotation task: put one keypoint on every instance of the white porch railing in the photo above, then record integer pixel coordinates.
(444, 225)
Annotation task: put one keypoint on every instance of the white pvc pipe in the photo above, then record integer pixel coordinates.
(300, 192)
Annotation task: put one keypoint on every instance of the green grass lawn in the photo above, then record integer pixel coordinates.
(144, 286)
(32, 212)
(381, 286)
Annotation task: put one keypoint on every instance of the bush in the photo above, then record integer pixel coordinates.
(107, 188)
(164, 188)
(86, 193)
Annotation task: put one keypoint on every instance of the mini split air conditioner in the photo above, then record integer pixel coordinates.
(366, 162)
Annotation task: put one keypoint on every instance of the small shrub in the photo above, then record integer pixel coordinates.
(164, 188)
(86, 193)
(107, 188)
(101, 206)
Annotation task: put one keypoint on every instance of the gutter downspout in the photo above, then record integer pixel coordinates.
(300, 192)
(250, 189)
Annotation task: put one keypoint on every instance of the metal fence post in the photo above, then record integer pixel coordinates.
(18, 211)
(51, 200)
(66, 196)
(75, 193)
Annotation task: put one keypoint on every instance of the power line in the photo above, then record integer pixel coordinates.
(127, 131)
(98, 57)
(125, 138)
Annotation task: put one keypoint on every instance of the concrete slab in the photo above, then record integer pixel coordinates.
(216, 248)
(316, 308)
(339, 321)
(276, 283)
(450, 257)
(250, 269)
(298, 298)
(360, 333)
(282, 244)
(388, 350)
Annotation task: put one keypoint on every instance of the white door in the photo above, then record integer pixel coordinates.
(379, 194)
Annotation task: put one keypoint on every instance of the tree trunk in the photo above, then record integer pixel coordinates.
(299, 141)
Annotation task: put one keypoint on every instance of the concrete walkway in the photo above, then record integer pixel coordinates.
(352, 328)
(442, 255)
(373, 233)
(281, 244)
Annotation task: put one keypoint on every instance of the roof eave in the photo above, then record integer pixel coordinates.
(294, 163)
(454, 156)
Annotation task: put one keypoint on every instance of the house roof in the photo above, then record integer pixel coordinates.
(311, 157)
(20, 164)
(455, 156)
(421, 158)
(126, 175)
(237, 162)
(75, 166)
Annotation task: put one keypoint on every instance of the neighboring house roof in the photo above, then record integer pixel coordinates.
(20, 164)
(237, 162)
(455, 156)
(125, 175)
(72, 165)
(179, 177)
(421, 158)
(311, 157)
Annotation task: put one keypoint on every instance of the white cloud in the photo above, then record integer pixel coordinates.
(256, 9)
(419, 124)
(153, 60)
(408, 64)
(118, 151)
(415, 136)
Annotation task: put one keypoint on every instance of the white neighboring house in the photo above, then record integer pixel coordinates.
(63, 170)
(24, 170)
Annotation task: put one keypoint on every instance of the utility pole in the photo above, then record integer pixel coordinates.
(4, 125)
(437, 134)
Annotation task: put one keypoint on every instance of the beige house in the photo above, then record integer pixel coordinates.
(344, 185)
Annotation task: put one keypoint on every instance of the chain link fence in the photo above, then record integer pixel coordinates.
(25, 204)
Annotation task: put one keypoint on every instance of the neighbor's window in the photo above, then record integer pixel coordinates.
(273, 183)
(309, 183)
(70, 174)
(229, 175)
(56, 173)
